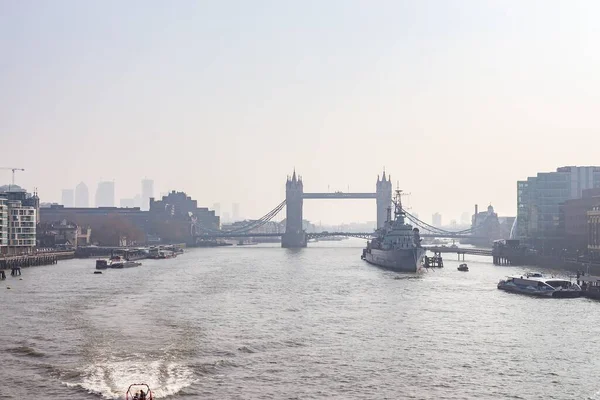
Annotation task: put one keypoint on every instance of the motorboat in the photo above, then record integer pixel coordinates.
(136, 392)
(536, 284)
(463, 267)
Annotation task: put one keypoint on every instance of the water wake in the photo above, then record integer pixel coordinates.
(111, 379)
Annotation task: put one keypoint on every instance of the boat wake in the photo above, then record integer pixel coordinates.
(111, 379)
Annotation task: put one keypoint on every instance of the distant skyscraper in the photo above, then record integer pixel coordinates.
(68, 197)
(235, 211)
(82, 195)
(436, 220)
(105, 194)
(147, 192)
(217, 208)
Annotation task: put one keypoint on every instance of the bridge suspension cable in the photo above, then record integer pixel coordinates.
(433, 229)
(255, 224)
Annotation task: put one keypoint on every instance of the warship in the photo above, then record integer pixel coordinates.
(397, 245)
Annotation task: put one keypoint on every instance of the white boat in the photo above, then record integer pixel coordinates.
(536, 284)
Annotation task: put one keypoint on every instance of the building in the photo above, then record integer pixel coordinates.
(594, 232)
(180, 206)
(104, 225)
(539, 199)
(127, 203)
(82, 196)
(62, 233)
(68, 197)
(3, 224)
(235, 212)
(105, 195)
(168, 220)
(225, 218)
(16, 193)
(22, 222)
(436, 220)
(147, 193)
(486, 225)
(217, 208)
(573, 219)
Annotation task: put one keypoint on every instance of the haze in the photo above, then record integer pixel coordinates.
(457, 100)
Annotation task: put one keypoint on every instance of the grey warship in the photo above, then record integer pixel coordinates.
(397, 245)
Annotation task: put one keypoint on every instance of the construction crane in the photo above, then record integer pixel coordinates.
(13, 172)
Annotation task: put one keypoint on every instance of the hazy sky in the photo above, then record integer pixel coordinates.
(457, 99)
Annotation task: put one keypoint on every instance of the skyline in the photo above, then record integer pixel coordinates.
(224, 100)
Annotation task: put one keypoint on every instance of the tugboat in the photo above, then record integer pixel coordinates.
(397, 245)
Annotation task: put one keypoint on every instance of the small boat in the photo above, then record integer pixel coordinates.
(136, 391)
(97, 272)
(536, 284)
(463, 267)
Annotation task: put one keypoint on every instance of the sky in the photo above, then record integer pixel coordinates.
(457, 100)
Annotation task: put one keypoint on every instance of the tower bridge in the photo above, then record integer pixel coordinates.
(295, 236)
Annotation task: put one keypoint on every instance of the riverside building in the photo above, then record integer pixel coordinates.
(539, 199)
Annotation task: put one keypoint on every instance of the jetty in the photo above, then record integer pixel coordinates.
(34, 259)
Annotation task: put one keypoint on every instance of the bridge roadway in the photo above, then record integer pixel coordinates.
(339, 195)
(363, 235)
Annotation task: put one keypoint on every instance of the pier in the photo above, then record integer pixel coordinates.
(460, 251)
(34, 259)
(434, 262)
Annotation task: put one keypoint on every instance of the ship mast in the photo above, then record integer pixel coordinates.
(398, 211)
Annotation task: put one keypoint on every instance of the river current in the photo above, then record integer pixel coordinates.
(261, 322)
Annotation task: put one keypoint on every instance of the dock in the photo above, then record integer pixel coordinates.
(34, 259)
(434, 262)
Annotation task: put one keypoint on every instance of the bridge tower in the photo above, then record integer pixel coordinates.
(384, 198)
(294, 235)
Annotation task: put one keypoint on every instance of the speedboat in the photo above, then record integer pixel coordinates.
(463, 267)
(536, 284)
(136, 392)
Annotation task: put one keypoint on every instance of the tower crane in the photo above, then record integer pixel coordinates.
(13, 172)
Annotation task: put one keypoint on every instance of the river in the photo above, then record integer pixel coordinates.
(261, 322)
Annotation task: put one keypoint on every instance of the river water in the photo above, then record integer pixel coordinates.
(261, 322)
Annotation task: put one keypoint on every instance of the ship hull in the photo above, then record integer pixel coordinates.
(397, 260)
